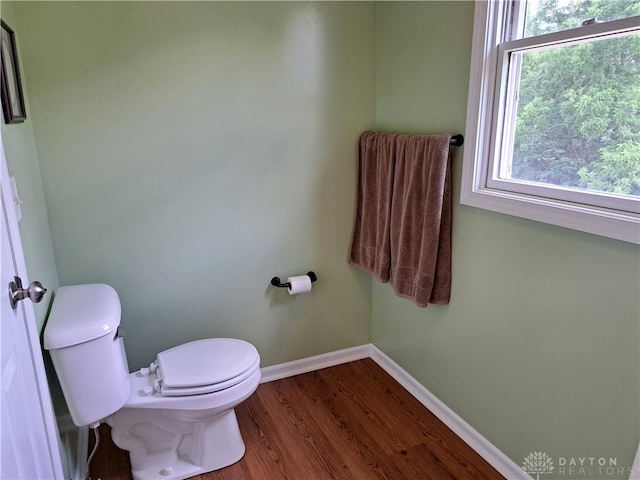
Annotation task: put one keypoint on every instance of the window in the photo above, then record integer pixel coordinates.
(553, 119)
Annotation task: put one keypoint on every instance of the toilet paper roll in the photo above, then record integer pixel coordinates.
(300, 284)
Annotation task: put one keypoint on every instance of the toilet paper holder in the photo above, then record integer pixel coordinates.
(275, 281)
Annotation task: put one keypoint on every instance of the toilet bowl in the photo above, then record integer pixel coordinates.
(176, 417)
(190, 428)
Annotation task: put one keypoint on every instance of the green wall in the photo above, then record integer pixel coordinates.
(192, 151)
(22, 159)
(539, 349)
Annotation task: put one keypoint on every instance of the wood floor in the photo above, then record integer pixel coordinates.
(352, 421)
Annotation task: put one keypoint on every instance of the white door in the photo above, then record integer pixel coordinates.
(28, 434)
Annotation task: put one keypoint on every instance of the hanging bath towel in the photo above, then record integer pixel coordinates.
(420, 225)
(370, 243)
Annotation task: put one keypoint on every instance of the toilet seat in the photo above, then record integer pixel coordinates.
(205, 366)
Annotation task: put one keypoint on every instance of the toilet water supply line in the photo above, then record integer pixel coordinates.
(94, 426)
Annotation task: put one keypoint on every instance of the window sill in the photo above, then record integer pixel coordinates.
(598, 221)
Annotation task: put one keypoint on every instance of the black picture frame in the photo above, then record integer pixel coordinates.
(11, 84)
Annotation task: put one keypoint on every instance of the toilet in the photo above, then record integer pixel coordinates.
(176, 417)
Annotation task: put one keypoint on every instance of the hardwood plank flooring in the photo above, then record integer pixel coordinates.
(352, 421)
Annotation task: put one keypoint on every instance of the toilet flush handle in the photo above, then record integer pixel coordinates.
(119, 333)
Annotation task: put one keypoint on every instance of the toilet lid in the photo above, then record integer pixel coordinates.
(205, 363)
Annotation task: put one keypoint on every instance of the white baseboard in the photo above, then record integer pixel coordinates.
(635, 470)
(76, 444)
(494, 457)
(498, 460)
(310, 364)
(83, 452)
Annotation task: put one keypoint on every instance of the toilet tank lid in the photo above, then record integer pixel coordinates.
(81, 313)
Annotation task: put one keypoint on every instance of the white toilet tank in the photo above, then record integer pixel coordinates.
(83, 337)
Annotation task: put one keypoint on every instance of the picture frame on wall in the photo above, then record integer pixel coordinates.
(12, 98)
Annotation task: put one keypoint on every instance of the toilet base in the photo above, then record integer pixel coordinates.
(176, 471)
(159, 450)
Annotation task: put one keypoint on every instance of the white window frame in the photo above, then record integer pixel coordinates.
(480, 188)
